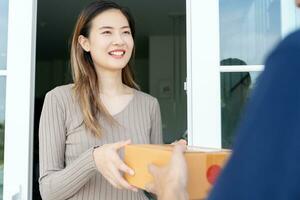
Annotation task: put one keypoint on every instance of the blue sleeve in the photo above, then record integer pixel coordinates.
(265, 163)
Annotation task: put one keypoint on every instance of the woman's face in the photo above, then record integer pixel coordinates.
(110, 41)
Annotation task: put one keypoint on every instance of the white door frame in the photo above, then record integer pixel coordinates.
(19, 99)
(203, 75)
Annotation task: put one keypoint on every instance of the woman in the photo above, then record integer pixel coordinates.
(83, 125)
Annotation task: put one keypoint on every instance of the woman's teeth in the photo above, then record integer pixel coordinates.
(117, 53)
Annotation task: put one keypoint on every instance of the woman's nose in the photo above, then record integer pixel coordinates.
(118, 40)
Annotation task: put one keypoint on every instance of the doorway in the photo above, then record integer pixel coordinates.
(160, 60)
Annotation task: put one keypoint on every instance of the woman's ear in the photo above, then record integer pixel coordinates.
(84, 43)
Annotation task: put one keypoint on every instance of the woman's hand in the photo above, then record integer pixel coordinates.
(180, 142)
(109, 164)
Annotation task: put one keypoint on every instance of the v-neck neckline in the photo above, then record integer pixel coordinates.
(127, 105)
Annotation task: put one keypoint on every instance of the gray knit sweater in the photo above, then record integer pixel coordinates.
(67, 168)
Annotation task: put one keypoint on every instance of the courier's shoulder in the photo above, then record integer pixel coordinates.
(294, 36)
(287, 51)
(291, 41)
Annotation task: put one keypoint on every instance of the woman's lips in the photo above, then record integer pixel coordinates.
(117, 53)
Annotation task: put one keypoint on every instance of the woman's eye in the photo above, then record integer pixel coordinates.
(127, 32)
(106, 32)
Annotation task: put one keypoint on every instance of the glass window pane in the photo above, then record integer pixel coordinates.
(248, 30)
(2, 115)
(3, 31)
(235, 90)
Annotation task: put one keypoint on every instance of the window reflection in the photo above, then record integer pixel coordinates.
(235, 91)
(249, 29)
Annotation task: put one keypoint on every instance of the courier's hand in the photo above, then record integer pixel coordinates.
(170, 181)
(109, 164)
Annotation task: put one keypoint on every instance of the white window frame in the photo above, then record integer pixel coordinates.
(204, 70)
(19, 108)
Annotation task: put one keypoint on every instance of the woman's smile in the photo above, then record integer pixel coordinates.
(117, 53)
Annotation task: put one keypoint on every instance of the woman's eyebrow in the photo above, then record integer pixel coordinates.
(110, 27)
(125, 27)
(105, 27)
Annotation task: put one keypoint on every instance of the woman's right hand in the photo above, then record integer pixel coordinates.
(109, 164)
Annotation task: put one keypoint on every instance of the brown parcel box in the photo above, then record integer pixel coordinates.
(203, 164)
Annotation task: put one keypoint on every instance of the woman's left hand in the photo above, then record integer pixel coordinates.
(110, 165)
(180, 142)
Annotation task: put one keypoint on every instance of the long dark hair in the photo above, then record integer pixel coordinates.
(86, 84)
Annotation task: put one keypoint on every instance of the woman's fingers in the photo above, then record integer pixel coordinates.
(119, 145)
(112, 177)
(124, 168)
(113, 174)
(121, 182)
(109, 165)
(114, 183)
(180, 147)
(173, 143)
(124, 184)
(181, 142)
(111, 180)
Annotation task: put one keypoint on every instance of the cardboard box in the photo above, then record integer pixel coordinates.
(204, 165)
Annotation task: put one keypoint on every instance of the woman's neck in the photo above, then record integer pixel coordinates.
(110, 82)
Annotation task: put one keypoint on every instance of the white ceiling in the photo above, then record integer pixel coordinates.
(56, 19)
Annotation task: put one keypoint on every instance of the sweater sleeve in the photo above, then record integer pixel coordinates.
(57, 181)
(156, 126)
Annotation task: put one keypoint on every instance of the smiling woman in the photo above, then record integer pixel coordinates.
(109, 41)
(83, 125)
(131, 114)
